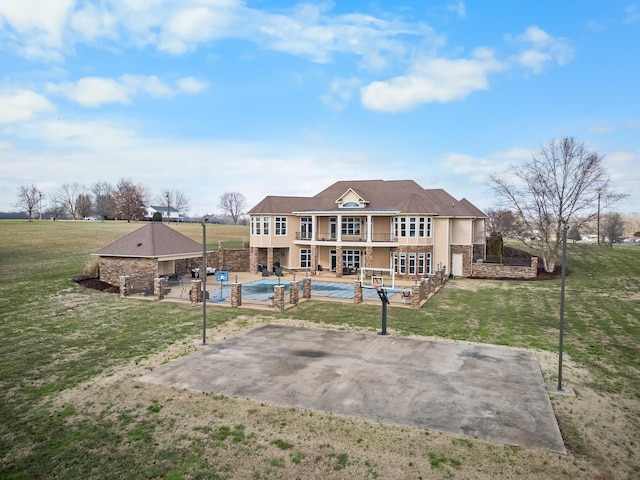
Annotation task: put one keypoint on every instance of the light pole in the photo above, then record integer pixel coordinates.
(40, 209)
(565, 227)
(203, 273)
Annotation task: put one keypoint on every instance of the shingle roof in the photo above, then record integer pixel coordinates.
(154, 240)
(405, 196)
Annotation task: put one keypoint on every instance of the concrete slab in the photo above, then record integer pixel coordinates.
(491, 393)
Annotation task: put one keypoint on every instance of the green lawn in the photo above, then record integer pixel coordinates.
(56, 337)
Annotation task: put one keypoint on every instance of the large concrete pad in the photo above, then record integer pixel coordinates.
(491, 393)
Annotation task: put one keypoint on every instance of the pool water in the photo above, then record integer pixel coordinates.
(262, 290)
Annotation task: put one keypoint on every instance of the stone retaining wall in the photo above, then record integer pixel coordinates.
(497, 270)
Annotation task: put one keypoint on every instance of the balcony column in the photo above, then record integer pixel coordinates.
(339, 228)
(369, 228)
(314, 227)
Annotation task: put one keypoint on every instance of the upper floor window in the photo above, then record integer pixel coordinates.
(259, 225)
(281, 225)
(350, 205)
(351, 225)
(412, 227)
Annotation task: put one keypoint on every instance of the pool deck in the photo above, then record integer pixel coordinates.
(181, 292)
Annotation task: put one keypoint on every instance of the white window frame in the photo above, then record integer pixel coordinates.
(305, 258)
(280, 227)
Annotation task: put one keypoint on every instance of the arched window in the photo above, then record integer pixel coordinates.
(350, 205)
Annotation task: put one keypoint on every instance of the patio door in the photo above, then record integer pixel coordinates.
(332, 260)
(333, 228)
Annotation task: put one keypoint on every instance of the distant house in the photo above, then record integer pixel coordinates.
(149, 252)
(168, 214)
(394, 225)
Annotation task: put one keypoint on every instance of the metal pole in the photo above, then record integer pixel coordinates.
(598, 223)
(564, 274)
(203, 274)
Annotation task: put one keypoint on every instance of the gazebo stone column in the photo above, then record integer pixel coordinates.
(357, 291)
(158, 288)
(278, 297)
(236, 294)
(125, 286)
(195, 294)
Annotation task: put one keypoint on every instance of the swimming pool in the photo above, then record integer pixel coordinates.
(261, 290)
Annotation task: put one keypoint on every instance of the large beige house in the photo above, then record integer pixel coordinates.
(395, 225)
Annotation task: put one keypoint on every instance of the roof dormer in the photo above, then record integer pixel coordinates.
(350, 199)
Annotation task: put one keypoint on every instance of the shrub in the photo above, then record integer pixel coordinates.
(92, 268)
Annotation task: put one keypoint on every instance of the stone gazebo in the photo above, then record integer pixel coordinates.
(138, 261)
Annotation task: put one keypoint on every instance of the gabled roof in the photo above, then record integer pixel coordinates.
(402, 196)
(163, 209)
(154, 240)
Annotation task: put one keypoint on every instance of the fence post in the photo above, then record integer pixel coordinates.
(293, 293)
(357, 292)
(158, 288)
(125, 286)
(278, 297)
(236, 294)
(195, 294)
(306, 288)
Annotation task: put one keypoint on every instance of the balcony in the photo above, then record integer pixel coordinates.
(333, 238)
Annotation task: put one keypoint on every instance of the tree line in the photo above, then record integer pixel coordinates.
(125, 200)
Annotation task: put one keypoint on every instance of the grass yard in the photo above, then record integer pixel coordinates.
(70, 406)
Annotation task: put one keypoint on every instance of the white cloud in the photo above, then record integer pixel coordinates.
(47, 30)
(40, 24)
(191, 85)
(538, 49)
(96, 91)
(20, 105)
(189, 27)
(431, 80)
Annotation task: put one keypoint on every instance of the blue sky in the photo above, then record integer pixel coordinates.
(284, 98)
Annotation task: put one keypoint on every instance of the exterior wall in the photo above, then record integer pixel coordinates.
(441, 241)
(494, 270)
(112, 268)
(461, 231)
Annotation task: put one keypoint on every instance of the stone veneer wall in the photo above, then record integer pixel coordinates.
(112, 268)
(497, 270)
(466, 251)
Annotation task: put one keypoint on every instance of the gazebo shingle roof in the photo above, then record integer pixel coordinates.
(154, 240)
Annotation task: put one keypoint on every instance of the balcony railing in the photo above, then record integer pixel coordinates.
(332, 237)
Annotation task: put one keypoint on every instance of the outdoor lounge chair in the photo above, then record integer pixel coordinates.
(265, 272)
(278, 271)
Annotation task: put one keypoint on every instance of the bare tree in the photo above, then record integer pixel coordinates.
(130, 200)
(29, 199)
(563, 180)
(84, 205)
(233, 204)
(67, 197)
(102, 199)
(505, 222)
(612, 228)
(174, 199)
